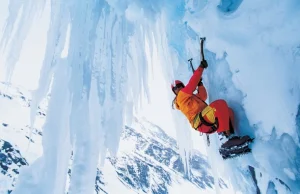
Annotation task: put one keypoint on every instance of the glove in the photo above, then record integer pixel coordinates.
(200, 82)
(203, 64)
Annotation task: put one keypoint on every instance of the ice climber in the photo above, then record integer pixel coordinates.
(216, 117)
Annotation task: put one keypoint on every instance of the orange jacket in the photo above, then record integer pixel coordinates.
(188, 103)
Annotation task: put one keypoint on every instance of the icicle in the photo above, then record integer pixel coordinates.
(48, 174)
(81, 53)
(55, 44)
(14, 9)
(30, 9)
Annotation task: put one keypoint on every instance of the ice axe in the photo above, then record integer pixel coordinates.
(192, 67)
(201, 40)
(191, 64)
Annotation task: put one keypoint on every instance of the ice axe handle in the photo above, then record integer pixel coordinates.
(201, 47)
(191, 64)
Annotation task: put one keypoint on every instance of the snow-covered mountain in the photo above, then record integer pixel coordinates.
(148, 160)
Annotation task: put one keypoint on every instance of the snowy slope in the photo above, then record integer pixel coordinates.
(148, 160)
